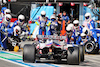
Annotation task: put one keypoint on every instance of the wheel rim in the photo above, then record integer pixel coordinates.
(89, 47)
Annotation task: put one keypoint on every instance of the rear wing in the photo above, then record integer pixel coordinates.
(51, 37)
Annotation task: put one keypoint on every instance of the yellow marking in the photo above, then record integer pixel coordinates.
(33, 31)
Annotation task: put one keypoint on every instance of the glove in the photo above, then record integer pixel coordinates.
(6, 29)
(6, 34)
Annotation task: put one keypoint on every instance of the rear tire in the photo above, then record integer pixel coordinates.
(29, 53)
(73, 55)
(82, 51)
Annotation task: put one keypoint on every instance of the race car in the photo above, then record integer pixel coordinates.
(53, 47)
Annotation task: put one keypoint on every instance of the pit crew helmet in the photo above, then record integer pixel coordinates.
(7, 18)
(17, 30)
(7, 11)
(87, 17)
(71, 25)
(85, 30)
(21, 18)
(43, 13)
(68, 30)
(76, 24)
(53, 18)
(83, 36)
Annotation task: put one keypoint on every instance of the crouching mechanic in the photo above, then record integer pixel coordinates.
(77, 31)
(53, 26)
(20, 23)
(84, 36)
(42, 23)
(70, 36)
(83, 39)
(6, 31)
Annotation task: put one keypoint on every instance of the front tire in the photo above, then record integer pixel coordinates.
(29, 52)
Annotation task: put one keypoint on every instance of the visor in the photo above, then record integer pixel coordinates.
(21, 20)
(43, 15)
(68, 32)
(76, 25)
(7, 13)
(87, 17)
(83, 37)
(17, 31)
(53, 19)
(8, 19)
(86, 32)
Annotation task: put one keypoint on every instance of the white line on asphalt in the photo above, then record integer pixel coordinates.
(14, 62)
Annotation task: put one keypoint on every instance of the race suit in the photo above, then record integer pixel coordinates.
(68, 38)
(42, 24)
(53, 27)
(93, 31)
(22, 26)
(66, 18)
(5, 28)
(77, 36)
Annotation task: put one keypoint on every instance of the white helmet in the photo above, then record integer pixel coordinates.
(71, 26)
(21, 18)
(43, 13)
(88, 17)
(85, 30)
(76, 24)
(53, 17)
(17, 30)
(83, 36)
(7, 11)
(68, 30)
(7, 17)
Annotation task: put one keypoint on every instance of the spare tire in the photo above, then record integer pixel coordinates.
(90, 47)
(29, 53)
(73, 55)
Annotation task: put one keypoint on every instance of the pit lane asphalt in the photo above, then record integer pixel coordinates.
(91, 60)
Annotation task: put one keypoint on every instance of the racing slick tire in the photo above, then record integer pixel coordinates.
(82, 51)
(73, 55)
(90, 47)
(29, 52)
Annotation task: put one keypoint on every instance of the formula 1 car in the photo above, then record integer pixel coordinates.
(53, 47)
